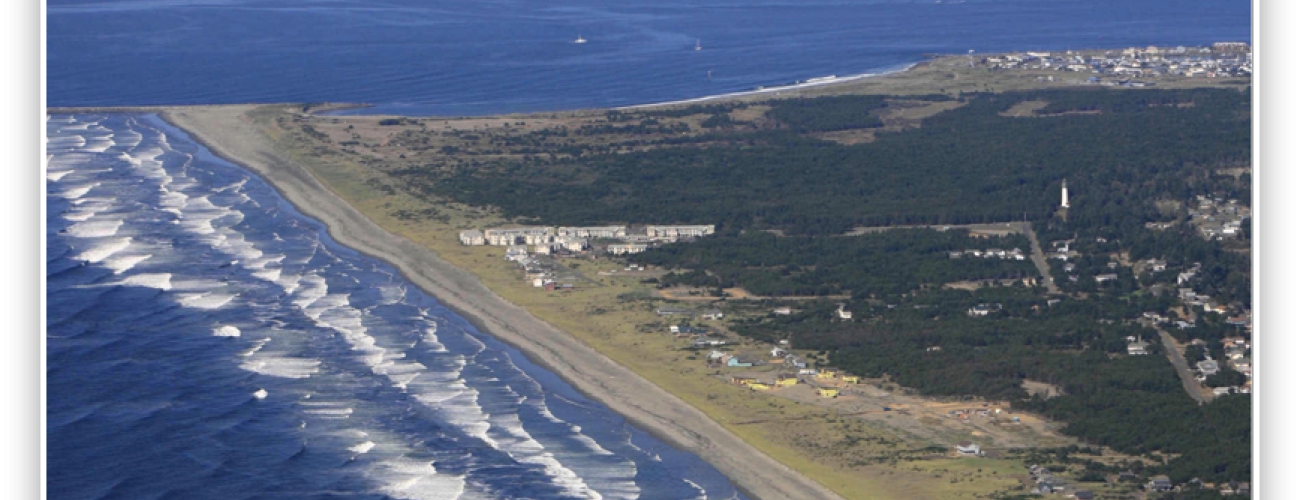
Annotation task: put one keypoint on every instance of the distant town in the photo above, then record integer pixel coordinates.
(1128, 66)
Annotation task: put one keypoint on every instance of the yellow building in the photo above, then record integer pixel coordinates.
(742, 380)
(787, 381)
(828, 392)
(760, 386)
(826, 374)
(851, 379)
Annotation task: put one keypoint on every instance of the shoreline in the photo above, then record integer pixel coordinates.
(642, 403)
(829, 81)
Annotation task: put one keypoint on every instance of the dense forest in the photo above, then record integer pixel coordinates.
(893, 262)
(966, 165)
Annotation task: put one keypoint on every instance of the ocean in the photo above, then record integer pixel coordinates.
(206, 340)
(480, 57)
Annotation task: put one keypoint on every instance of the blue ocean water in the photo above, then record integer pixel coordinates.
(207, 341)
(475, 57)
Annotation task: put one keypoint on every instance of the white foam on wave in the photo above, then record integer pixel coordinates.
(326, 409)
(362, 448)
(206, 300)
(161, 281)
(124, 263)
(103, 250)
(79, 191)
(225, 331)
(56, 176)
(95, 228)
(260, 394)
(281, 366)
(411, 479)
(703, 494)
(257, 346)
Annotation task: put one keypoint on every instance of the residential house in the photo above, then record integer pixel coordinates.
(778, 352)
(851, 379)
(760, 386)
(828, 392)
(1160, 483)
(713, 314)
(786, 380)
(1157, 265)
(674, 232)
(826, 374)
(968, 448)
(983, 310)
(1222, 391)
(795, 361)
(1137, 349)
(742, 380)
(1208, 367)
(625, 248)
(1106, 277)
(593, 232)
(708, 342)
(472, 237)
(744, 361)
(715, 356)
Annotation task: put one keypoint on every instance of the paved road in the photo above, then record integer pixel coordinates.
(1040, 260)
(1193, 386)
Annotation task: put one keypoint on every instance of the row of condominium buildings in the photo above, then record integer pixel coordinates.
(546, 240)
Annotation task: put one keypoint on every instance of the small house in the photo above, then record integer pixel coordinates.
(851, 379)
(778, 352)
(760, 386)
(472, 237)
(828, 392)
(743, 361)
(713, 314)
(795, 361)
(826, 374)
(787, 380)
(1137, 349)
(742, 380)
(1160, 483)
(672, 311)
(969, 448)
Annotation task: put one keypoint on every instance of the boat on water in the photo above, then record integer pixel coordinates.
(580, 40)
(697, 44)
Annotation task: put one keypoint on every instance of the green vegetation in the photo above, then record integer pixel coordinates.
(966, 165)
(1128, 156)
(895, 262)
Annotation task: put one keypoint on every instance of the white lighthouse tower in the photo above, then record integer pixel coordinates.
(1065, 195)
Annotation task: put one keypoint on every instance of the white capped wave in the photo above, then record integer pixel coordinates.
(79, 191)
(56, 176)
(225, 331)
(161, 281)
(411, 479)
(281, 366)
(121, 264)
(206, 300)
(257, 346)
(362, 448)
(260, 394)
(99, 251)
(703, 494)
(95, 228)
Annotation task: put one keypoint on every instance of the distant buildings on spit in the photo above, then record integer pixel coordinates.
(546, 240)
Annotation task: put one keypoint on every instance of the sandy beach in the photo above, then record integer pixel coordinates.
(228, 133)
